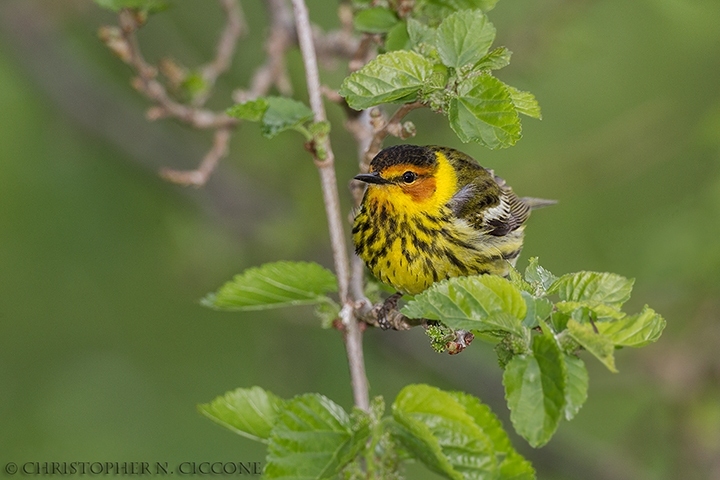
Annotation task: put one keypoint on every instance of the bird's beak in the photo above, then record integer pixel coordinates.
(371, 178)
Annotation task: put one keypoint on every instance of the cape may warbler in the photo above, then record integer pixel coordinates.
(431, 213)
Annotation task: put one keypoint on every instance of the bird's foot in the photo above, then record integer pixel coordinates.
(387, 316)
(388, 311)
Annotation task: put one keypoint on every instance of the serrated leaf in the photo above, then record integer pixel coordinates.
(397, 38)
(273, 285)
(283, 114)
(539, 276)
(495, 60)
(419, 441)
(275, 114)
(148, 6)
(375, 20)
(517, 280)
(464, 37)
(438, 430)
(634, 331)
(513, 466)
(482, 111)
(559, 320)
(608, 288)
(436, 10)
(538, 308)
(252, 110)
(313, 438)
(535, 390)
(576, 385)
(598, 311)
(525, 103)
(250, 412)
(481, 303)
(600, 346)
(421, 34)
(389, 77)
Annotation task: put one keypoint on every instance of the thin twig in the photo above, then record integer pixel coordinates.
(363, 53)
(326, 167)
(370, 130)
(146, 83)
(391, 127)
(123, 42)
(200, 175)
(273, 72)
(234, 27)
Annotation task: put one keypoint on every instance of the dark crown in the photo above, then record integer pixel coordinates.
(399, 154)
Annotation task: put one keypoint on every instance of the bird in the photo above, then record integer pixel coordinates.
(431, 213)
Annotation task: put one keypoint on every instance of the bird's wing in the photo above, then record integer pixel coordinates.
(492, 209)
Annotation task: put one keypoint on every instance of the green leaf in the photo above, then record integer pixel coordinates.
(598, 345)
(608, 288)
(481, 303)
(252, 110)
(439, 431)
(436, 10)
(535, 390)
(276, 114)
(525, 102)
(482, 111)
(250, 412)
(283, 114)
(272, 285)
(577, 385)
(147, 6)
(420, 33)
(540, 277)
(398, 38)
(495, 60)
(517, 280)
(464, 37)
(634, 331)
(390, 77)
(313, 438)
(513, 466)
(538, 308)
(375, 20)
(598, 311)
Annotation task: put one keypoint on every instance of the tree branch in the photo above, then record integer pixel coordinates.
(326, 167)
(200, 175)
(146, 82)
(273, 72)
(123, 42)
(234, 27)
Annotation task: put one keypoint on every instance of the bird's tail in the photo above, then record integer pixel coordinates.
(535, 203)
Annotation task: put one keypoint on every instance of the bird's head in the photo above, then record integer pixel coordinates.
(410, 179)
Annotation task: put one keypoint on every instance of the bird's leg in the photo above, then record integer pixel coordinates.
(388, 308)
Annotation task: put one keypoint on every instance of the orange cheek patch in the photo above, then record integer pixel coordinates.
(422, 189)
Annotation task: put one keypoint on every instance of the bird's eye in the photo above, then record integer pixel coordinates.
(409, 177)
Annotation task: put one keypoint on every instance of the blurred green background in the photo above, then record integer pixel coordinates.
(105, 350)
